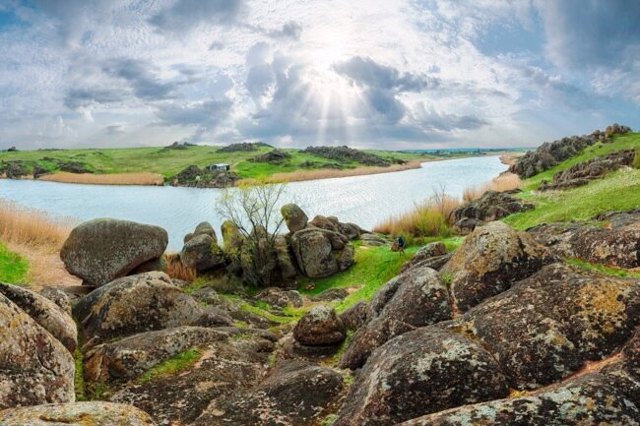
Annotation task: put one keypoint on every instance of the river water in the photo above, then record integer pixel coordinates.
(365, 200)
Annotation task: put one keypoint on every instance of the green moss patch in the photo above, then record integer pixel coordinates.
(173, 365)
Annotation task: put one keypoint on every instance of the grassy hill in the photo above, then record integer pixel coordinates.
(619, 190)
(169, 162)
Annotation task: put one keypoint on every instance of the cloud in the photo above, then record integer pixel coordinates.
(144, 84)
(205, 114)
(185, 15)
(591, 33)
(83, 97)
(291, 30)
(115, 129)
(367, 72)
(431, 120)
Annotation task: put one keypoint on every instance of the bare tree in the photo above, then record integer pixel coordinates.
(254, 210)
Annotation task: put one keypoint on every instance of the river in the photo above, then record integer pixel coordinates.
(365, 200)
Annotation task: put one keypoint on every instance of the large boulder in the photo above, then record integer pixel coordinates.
(133, 305)
(492, 258)
(46, 313)
(294, 394)
(421, 372)
(202, 252)
(35, 368)
(413, 299)
(102, 250)
(321, 253)
(223, 369)
(548, 326)
(130, 357)
(320, 327)
(76, 414)
(594, 399)
(295, 218)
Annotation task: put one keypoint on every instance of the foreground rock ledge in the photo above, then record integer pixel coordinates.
(35, 368)
(76, 414)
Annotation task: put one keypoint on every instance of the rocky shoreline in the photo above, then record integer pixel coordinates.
(513, 327)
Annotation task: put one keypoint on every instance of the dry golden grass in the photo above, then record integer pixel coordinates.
(106, 179)
(431, 218)
(38, 238)
(177, 270)
(504, 182)
(31, 228)
(331, 173)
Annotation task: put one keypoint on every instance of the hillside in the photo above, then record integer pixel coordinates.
(169, 162)
(617, 190)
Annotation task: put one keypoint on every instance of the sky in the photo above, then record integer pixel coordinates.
(385, 74)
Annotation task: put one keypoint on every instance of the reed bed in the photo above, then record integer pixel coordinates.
(303, 175)
(144, 178)
(31, 228)
(434, 217)
(431, 218)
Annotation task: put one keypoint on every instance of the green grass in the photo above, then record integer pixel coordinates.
(79, 383)
(169, 162)
(173, 365)
(13, 267)
(373, 268)
(606, 270)
(619, 190)
(628, 141)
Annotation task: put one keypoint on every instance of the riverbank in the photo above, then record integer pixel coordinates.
(209, 167)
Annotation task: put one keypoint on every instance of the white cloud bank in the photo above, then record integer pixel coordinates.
(389, 74)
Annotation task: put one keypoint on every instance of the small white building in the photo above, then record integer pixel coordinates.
(220, 167)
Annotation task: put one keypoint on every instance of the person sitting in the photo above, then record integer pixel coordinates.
(400, 244)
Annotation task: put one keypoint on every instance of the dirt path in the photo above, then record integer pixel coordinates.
(45, 267)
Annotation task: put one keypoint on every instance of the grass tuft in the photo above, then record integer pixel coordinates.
(173, 365)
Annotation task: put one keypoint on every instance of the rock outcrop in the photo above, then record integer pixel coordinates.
(101, 250)
(594, 399)
(35, 368)
(295, 393)
(320, 327)
(490, 206)
(583, 173)
(223, 369)
(548, 154)
(132, 356)
(491, 259)
(320, 253)
(421, 372)
(136, 304)
(344, 154)
(616, 244)
(416, 298)
(201, 250)
(76, 414)
(294, 217)
(46, 313)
